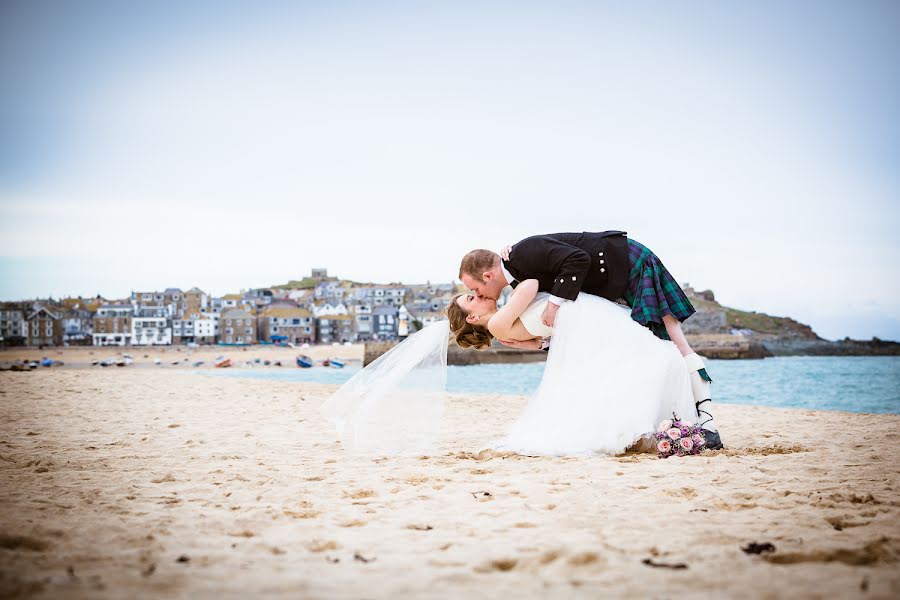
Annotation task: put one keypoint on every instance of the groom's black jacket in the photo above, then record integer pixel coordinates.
(567, 263)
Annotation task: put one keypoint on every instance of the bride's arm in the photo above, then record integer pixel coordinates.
(501, 323)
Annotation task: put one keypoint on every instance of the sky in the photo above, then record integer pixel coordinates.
(754, 147)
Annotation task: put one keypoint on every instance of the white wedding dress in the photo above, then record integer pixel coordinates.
(607, 382)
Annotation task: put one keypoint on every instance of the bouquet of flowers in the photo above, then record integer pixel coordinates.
(677, 438)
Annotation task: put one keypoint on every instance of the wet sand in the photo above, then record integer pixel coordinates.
(146, 483)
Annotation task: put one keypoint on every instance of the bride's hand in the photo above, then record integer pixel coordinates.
(504, 252)
(548, 317)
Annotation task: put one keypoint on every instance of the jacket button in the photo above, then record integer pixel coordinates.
(602, 261)
(603, 270)
(562, 280)
(573, 278)
(600, 254)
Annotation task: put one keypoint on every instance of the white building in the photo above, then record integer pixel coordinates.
(150, 326)
(12, 323)
(330, 310)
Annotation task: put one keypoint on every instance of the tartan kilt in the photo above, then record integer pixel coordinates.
(652, 291)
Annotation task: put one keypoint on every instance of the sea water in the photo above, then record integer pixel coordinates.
(866, 384)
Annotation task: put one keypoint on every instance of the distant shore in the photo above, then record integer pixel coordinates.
(713, 346)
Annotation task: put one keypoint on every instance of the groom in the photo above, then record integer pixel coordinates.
(605, 264)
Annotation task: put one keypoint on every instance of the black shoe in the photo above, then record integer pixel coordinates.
(713, 439)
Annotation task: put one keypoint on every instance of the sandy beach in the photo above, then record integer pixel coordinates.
(146, 483)
(143, 356)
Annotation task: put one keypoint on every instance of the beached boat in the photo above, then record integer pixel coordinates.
(304, 362)
(46, 362)
(222, 362)
(337, 363)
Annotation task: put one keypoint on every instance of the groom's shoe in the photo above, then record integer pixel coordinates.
(700, 381)
(713, 440)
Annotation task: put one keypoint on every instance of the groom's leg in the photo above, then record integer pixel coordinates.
(700, 386)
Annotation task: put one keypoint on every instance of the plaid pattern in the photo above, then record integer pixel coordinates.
(653, 292)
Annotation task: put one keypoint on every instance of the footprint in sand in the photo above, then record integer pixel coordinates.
(168, 477)
(760, 450)
(23, 542)
(583, 559)
(872, 553)
(359, 494)
(245, 533)
(685, 492)
(322, 545)
(353, 523)
(500, 564)
(301, 514)
(842, 522)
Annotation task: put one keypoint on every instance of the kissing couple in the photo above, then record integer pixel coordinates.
(613, 372)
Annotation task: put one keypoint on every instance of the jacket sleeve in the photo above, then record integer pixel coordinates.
(568, 265)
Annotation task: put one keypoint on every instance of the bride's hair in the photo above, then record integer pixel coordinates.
(466, 334)
(476, 262)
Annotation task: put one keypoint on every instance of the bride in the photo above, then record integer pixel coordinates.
(608, 381)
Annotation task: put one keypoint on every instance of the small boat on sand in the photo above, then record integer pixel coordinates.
(337, 363)
(222, 362)
(304, 362)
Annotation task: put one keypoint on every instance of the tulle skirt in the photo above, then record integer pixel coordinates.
(607, 382)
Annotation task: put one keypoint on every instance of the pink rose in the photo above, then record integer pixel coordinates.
(664, 446)
(664, 425)
(686, 444)
(674, 433)
(698, 440)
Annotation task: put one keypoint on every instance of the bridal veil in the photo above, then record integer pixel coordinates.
(395, 404)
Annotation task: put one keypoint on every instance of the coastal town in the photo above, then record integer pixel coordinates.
(315, 310)
(324, 310)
